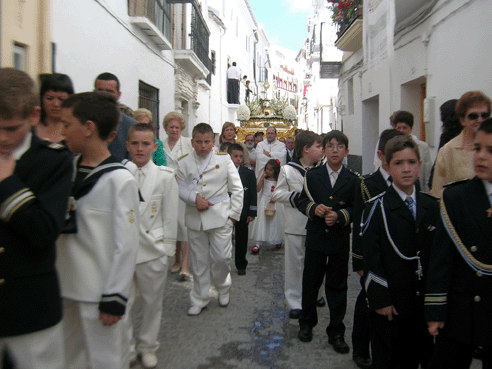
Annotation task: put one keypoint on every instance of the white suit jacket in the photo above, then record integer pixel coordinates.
(220, 177)
(100, 258)
(276, 149)
(289, 186)
(158, 212)
(181, 147)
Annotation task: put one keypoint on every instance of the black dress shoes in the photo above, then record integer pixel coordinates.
(361, 361)
(305, 334)
(338, 343)
(295, 313)
(241, 272)
(321, 302)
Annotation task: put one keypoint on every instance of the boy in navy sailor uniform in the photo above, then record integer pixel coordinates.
(248, 214)
(369, 186)
(35, 180)
(327, 199)
(398, 231)
(458, 299)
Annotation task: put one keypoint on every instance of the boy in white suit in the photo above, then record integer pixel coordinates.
(289, 188)
(158, 229)
(205, 180)
(96, 255)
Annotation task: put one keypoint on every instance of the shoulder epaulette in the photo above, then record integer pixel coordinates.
(166, 169)
(375, 198)
(455, 183)
(353, 173)
(182, 156)
(221, 153)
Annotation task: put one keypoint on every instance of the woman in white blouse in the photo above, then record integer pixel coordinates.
(176, 146)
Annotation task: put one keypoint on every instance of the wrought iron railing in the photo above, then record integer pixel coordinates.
(157, 11)
(200, 38)
(343, 27)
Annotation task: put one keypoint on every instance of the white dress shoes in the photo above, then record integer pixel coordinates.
(224, 300)
(195, 310)
(149, 360)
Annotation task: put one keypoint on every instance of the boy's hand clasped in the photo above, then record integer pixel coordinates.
(202, 204)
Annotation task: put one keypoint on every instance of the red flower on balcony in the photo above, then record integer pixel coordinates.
(344, 13)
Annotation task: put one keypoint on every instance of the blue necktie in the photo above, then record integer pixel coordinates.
(411, 206)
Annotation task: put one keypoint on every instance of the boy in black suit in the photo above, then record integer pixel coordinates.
(35, 178)
(369, 186)
(248, 214)
(458, 299)
(398, 230)
(327, 199)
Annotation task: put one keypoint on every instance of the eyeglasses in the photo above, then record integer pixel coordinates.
(474, 116)
(332, 147)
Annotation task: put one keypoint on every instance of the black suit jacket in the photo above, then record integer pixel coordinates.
(371, 185)
(457, 294)
(389, 279)
(248, 179)
(117, 147)
(33, 204)
(317, 190)
(289, 158)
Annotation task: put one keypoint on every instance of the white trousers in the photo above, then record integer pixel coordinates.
(37, 350)
(294, 266)
(148, 283)
(88, 343)
(210, 256)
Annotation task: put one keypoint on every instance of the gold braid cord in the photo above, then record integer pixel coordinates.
(365, 191)
(458, 241)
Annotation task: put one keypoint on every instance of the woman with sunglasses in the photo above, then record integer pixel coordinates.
(455, 159)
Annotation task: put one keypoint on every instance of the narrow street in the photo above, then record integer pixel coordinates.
(254, 331)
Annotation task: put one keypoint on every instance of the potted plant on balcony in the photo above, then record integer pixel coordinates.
(344, 13)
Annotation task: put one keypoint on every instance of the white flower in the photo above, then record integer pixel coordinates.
(289, 113)
(243, 113)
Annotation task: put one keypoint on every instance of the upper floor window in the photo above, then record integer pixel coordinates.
(148, 97)
(158, 12)
(19, 54)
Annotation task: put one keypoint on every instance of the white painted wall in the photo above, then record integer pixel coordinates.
(92, 37)
(454, 59)
(234, 43)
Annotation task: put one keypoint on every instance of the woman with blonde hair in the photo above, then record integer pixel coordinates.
(176, 146)
(143, 115)
(228, 134)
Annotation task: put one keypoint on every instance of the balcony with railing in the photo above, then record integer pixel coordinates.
(154, 18)
(195, 59)
(349, 27)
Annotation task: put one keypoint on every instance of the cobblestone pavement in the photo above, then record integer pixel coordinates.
(254, 331)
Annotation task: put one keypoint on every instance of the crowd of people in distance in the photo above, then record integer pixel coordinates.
(108, 205)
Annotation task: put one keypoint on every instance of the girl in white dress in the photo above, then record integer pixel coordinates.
(269, 224)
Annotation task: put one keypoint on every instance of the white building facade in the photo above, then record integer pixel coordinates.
(440, 53)
(121, 37)
(169, 55)
(320, 61)
(236, 36)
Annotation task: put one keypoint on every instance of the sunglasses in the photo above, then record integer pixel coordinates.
(474, 116)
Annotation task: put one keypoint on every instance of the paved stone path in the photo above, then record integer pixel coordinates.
(254, 331)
